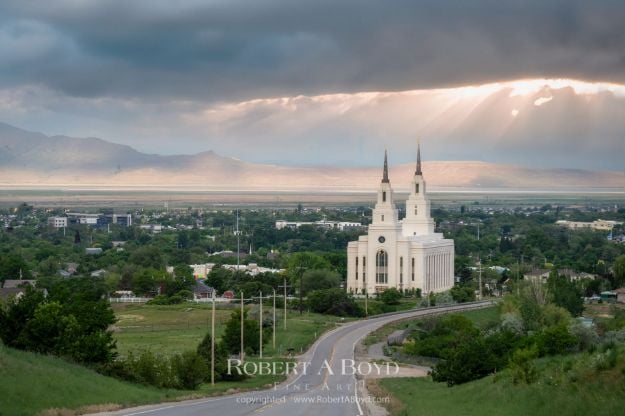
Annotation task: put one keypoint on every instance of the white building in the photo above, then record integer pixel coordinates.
(404, 254)
(338, 225)
(57, 222)
(599, 225)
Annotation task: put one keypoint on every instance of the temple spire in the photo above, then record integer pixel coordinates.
(385, 172)
(418, 171)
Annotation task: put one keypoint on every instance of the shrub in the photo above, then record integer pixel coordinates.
(190, 369)
(522, 365)
(555, 340)
(221, 360)
(333, 302)
(391, 296)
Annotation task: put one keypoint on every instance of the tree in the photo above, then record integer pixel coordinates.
(391, 296)
(221, 360)
(219, 278)
(463, 294)
(466, 362)
(72, 321)
(566, 293)
(619, 271)
(13, 267)
(318, 279)
(333, 302)
(251, 334)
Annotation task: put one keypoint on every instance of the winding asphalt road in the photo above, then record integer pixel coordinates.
(325, 389)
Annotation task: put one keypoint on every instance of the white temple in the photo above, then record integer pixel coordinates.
(404, 254)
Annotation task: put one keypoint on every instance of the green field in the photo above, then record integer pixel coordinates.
(176, 328)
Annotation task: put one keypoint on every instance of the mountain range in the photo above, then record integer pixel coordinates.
(34, 160)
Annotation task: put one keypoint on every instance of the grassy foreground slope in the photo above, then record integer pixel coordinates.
(31, 383)
(592, 394)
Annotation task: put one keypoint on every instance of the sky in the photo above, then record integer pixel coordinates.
(324, 82)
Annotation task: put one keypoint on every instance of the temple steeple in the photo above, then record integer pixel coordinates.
(418, 220)
(385, 172)
(418, 171)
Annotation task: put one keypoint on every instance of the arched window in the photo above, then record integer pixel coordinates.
(381, 267)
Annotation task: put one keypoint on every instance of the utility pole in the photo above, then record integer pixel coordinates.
(301, 287)
(274, 321)
(238, 242)
(242, 353)
(285, 286)
(213, 342)
(479, 265)
(260, 322)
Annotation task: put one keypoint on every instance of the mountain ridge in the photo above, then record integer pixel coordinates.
(33, 159)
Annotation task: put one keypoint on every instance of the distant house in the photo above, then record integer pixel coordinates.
(13, 283)
(575, 275)
(98, 273)
(202, 291)
(93, 250)
(15, 293)
(620, 295)
(72, 268)
(65, 274)
(228, 294)
(8, 293)
(537, 274)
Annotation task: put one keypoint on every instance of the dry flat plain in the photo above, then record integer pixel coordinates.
(129, 198)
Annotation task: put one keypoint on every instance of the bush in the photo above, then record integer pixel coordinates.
(182, 371)
(190, 369)
(555, 340)
(221, 360)
(522, 366)
(463, 294)
(333, 302)
(167, 300)
(391, 296)
(464, 363)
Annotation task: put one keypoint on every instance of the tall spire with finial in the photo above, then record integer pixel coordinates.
(418, 171)
(385, 172)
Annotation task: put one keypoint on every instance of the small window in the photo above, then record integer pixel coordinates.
(384, 196)
(416, 188)
(416, 210)
(356, 268)
(383, 218)
(412, 269)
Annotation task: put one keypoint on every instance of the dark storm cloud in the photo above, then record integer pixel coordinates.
(222, 50)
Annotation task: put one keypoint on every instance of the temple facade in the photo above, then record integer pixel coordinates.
(405, 254)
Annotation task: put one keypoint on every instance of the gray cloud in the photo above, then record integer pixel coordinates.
(231, 50)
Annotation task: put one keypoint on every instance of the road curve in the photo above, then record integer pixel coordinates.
(328, 387)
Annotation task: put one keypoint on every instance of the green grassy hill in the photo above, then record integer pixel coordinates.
(567, 386)
(31, 383)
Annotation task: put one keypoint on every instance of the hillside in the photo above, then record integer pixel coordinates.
(33, 160)
(31, 383)
(569, 385)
